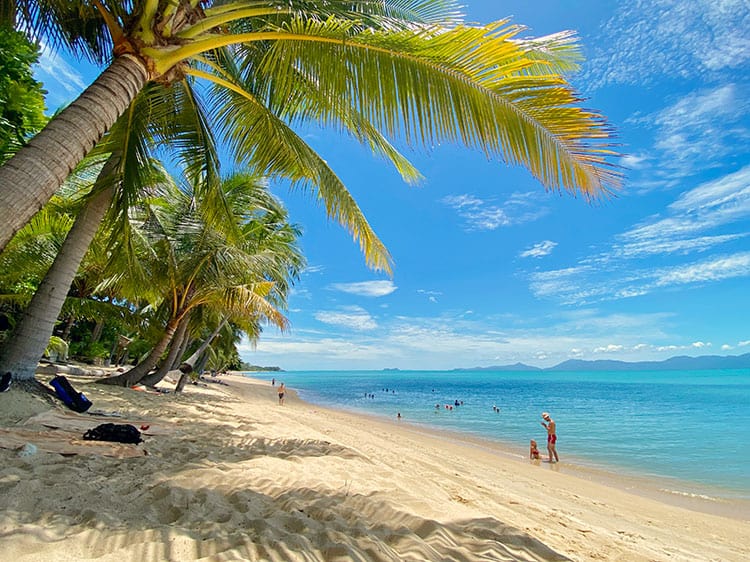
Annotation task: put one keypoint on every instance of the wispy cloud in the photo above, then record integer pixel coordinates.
(714, 204)
(539, 250)
(58, 76)
(587, 284)
(366, 288)
(700, 221)
(409, 342)
(646, 40)
(610, 348)
(479, 214)
(701, 129)
(715, 269)
(354, 317)
(431, 295)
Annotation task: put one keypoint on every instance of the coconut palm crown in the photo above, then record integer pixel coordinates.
(378, 69)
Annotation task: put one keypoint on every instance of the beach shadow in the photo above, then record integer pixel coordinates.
(173, 522)
(215, 491)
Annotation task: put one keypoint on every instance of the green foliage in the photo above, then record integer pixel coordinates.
(21, 97)
(57, 347)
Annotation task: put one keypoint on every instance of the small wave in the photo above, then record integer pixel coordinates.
(690, 495)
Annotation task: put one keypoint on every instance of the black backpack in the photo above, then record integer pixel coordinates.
(119, 432)
(73, 399)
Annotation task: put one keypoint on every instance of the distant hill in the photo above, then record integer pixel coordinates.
(682, 362)
(515, 367)
(248, 367)
(679, 363)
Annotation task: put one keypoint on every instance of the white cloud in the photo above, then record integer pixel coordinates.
(431, 295)
(314, 269)
(715, 269)
(63, 82)
(743, 343)
(700, 344)
(355, 318)
(633, 162)
(410, 342)
(479, 214)
(611, 348)
(538, 250)
(647, 40)
(718, 203)
(726, 347)
(702, 128)
(366, 288)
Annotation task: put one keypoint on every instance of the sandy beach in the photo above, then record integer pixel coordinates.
(225, 473)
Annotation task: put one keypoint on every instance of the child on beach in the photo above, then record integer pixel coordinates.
(533, 451)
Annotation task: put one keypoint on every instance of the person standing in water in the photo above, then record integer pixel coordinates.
(551, 428)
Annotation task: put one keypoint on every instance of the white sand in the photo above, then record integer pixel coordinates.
(231, 475)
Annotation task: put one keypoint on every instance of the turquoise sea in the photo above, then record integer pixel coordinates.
(690, 427)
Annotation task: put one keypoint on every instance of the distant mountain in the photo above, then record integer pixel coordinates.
(682, 362)
(515, 367)
(679, 363)
(256, 368)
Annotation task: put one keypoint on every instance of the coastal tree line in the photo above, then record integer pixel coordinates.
(121, 233)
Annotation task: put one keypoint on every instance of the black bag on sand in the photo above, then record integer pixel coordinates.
(5, 382)
(119, 432)
(73, 399)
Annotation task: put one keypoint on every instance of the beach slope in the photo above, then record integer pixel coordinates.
(226, 473)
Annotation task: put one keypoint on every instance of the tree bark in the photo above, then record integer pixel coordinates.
(189, 363)
(97, 331)
(137, 373)
(183, 349)
(193, 359)
(174, 350)
(69, 321)
(21, 353)
(33, 174)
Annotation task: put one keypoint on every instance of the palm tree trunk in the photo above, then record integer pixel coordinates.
(21, 353)
(33, 174)
(96, 333)
(177, 340)
(69, 321)
(189, 363)
(137, 373)
(193, 359)
(186, 341)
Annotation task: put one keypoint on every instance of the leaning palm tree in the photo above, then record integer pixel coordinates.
(399, 68)
(240, 262)
(156, 116)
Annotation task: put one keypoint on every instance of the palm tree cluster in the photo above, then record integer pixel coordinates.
(189, 83)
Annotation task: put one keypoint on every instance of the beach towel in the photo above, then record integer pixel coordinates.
(73, 399)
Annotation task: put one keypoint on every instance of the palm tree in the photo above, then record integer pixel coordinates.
(156, 116)
(391, 67)
(239, 263)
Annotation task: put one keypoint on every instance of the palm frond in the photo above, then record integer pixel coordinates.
(474, 85)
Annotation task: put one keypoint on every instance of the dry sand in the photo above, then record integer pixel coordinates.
(231, 475)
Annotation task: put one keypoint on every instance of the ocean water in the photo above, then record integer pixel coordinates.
(689, 426)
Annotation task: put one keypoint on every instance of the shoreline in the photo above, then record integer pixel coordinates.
(226, 473)
(685, 494)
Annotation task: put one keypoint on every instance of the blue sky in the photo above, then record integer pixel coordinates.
(490, 269)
